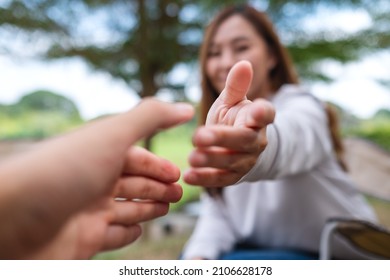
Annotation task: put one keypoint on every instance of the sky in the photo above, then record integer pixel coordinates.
(95, 93)
(355, 85)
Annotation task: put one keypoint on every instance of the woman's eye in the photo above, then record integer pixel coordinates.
(213, 53)
(241, 48)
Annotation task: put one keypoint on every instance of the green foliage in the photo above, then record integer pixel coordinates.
(383, 114)
(38, 115)
(141, 41)
(34, 125)
(376, 129)
(46, 101)
(126, 39)
(378, 134)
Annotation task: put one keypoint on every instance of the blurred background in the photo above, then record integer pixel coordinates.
(66, 62)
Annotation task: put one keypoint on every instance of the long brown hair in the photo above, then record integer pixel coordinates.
(334, 129)
(283, 73)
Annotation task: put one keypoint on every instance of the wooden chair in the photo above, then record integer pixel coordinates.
(368, 240)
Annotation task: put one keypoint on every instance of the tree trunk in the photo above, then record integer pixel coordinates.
(149, 87)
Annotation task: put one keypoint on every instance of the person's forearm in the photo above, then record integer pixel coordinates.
(31, 208)
(42, 188)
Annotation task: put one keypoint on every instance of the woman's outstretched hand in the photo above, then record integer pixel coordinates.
(234, 136)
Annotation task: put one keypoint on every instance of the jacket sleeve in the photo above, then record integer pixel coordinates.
(213, 235)
(298, 140)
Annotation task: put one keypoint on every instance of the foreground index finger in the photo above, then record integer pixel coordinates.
(134, 187)
(152, 115)
(140, 162)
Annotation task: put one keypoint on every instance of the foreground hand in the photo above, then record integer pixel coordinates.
(87, 191)
(143, 192)
(234, 135)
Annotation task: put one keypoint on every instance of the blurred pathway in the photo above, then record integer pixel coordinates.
(369, 167)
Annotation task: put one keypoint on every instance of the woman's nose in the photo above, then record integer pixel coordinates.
(227, 60)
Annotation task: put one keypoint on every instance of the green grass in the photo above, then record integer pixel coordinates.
(175, 145)
(35, 125)
(377, 131)
(168, 248)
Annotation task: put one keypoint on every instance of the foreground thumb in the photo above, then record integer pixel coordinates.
(152, 115)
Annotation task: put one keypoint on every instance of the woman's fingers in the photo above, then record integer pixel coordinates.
(233, 138)
(224, 154)
(140, 162)
(223, 159)
(135, 187)
(259, 114)
(210, 177)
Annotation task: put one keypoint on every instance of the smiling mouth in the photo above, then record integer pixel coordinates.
(220, 85)
(222, 80)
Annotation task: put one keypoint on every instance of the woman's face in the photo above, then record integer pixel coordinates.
(234, 40)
